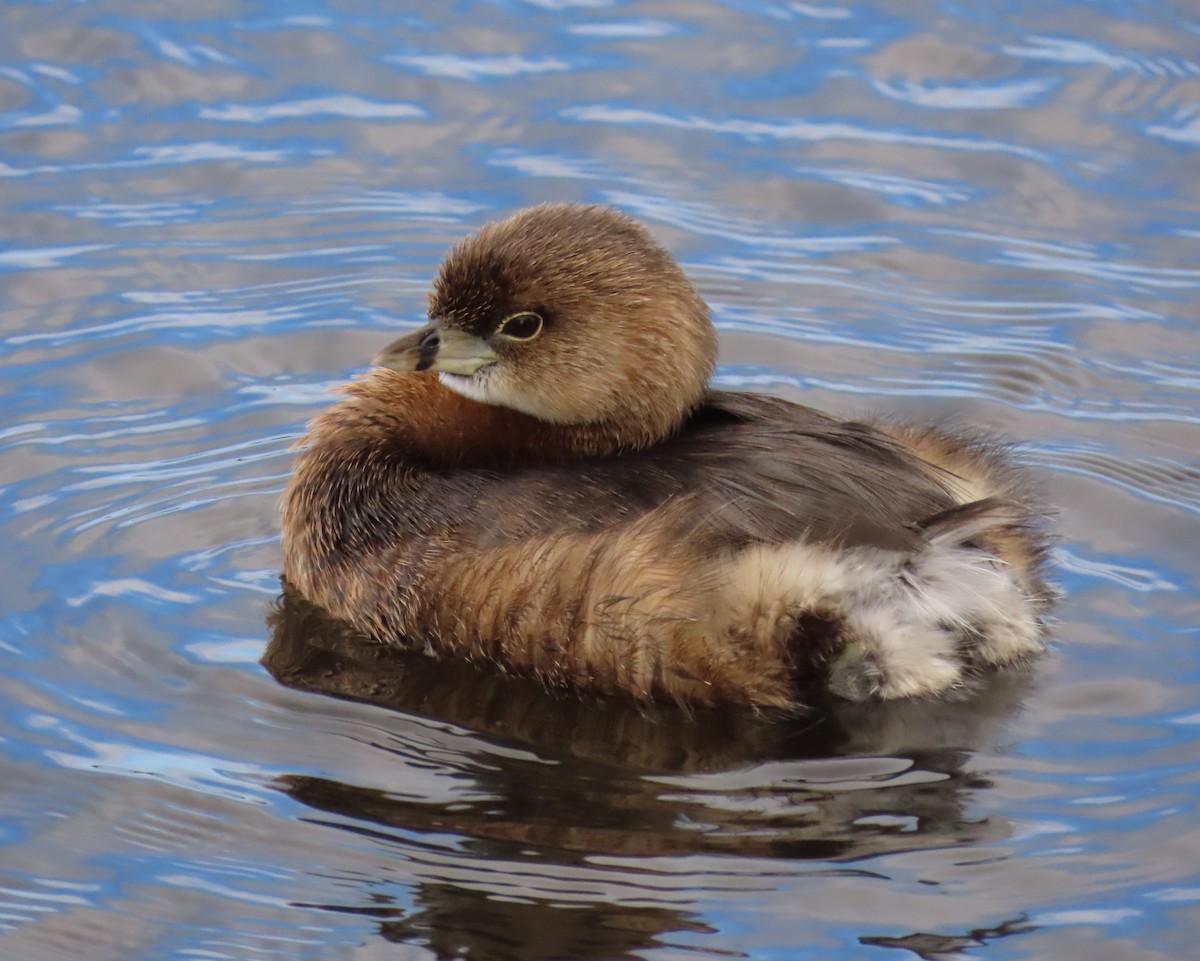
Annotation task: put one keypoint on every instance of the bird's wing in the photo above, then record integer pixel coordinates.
(751, 469)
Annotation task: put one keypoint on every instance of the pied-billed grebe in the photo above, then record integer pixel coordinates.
(540, 477)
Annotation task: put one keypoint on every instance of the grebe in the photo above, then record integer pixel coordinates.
(542, 478)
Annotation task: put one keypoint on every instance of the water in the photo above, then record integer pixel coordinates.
(214, 212)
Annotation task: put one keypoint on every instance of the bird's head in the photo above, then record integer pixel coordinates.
(571, 314)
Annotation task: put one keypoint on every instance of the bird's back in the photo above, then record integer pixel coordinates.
(753, 469)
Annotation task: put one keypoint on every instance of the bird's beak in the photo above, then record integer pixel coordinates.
(435, 347)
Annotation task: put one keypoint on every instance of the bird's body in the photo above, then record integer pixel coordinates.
(567, 498)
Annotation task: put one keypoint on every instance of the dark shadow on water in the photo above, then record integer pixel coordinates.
(456, 922)
(948, 947)
(823, 792)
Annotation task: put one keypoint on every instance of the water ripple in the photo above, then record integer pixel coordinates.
(478, 68)
(625, 29)
(344, 106)
(1005, 96)
(899, 189)
(208, 151)
(42, 257)
(800, 130)
(1160, 480)
(1069, 50)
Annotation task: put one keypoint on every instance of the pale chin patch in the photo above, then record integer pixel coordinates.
(474, 387)
(483, 387)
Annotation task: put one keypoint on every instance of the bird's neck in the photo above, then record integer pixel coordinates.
(413, 416)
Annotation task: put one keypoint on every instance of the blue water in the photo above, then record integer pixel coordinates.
(212, 213)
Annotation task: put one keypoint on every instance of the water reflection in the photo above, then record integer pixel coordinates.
(947, 947)
(458, 922)
(578, 805)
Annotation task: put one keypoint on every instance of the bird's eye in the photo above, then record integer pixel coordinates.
(523, 326)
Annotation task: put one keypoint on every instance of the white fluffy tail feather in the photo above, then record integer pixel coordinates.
(911, 623)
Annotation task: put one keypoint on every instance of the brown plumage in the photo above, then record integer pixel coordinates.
(541, 478)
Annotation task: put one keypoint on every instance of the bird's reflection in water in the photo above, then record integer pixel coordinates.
(845, 783)
(457, 922)
(948, 947)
